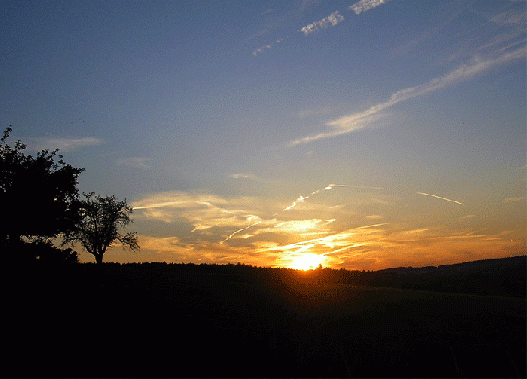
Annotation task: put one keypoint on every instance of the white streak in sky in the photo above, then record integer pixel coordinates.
(64, 144)
(298, 200)
(241, 230)
(360, 120)
(366, 5)
(301, 198)
(243, 176)
(136, 162)
(333, 240)
(439, 197)
(332, 20)
(264, 48)
(513, 199)
(510, 18)
(255, 220)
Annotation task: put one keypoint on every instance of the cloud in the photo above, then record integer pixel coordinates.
(313, 112)
(244, 229)
(267, 11)
(243, 176)
(513, 199)
(264, 48)
(300, 228)
(301, 198)
(64, 144)
(366, 5)
(361, 120)
(511, 17)
(383, 245)
(350, 231)
(332, 243)
(214, 218)
(136, 162)
(161, 244)
(172, 249)
(203, 211)
(331, 186)
(439, 197)
(307, 4)
(298, 200)
(332, 20)
(303, 227)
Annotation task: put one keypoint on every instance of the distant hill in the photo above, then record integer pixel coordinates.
(498, 277)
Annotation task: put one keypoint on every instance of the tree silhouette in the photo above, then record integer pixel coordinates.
(98, 226)
(36, 195)
(46, 253)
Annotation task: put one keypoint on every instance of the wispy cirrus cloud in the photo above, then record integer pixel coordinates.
(63, 144)
(234, 217)
(513, 199)
(374, 247)
(366, 5)
(329, 187)
(136, 162)
(203, 211)
(332, 20)
(360, 120)
(264, 48)
(313, 112)
(243, 176)
(361, 232)
(510, 17)
(302, 227)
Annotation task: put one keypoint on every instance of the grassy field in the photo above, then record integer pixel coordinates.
(195, 321)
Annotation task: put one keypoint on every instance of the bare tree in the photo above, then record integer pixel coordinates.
(99, 224)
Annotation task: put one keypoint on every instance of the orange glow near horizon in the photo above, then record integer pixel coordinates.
(307, 261)
(336, 226)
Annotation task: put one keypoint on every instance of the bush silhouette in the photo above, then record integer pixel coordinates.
(36, 195)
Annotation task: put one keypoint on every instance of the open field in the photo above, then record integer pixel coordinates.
(185, 320)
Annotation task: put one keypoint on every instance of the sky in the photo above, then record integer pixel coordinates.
(353, 134)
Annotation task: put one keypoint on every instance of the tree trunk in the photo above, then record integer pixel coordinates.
(98, 257)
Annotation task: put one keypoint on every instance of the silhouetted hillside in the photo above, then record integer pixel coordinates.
(157, 319)
(498, 277)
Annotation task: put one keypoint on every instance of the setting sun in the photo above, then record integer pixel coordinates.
(428, 170)
(307, 261)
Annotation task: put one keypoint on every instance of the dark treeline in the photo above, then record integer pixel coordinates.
(187, 320)
(497, 277)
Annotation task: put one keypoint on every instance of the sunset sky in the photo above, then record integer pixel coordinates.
(369, 134)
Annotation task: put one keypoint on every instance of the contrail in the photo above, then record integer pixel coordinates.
(439, 197)
(301, 198)
(329, 187)
(240, 230)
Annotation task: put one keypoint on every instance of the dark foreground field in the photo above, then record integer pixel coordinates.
(197, 321)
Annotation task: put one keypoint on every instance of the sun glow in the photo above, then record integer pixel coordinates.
(307, 261)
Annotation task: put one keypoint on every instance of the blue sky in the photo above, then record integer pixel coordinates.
(363, 134)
